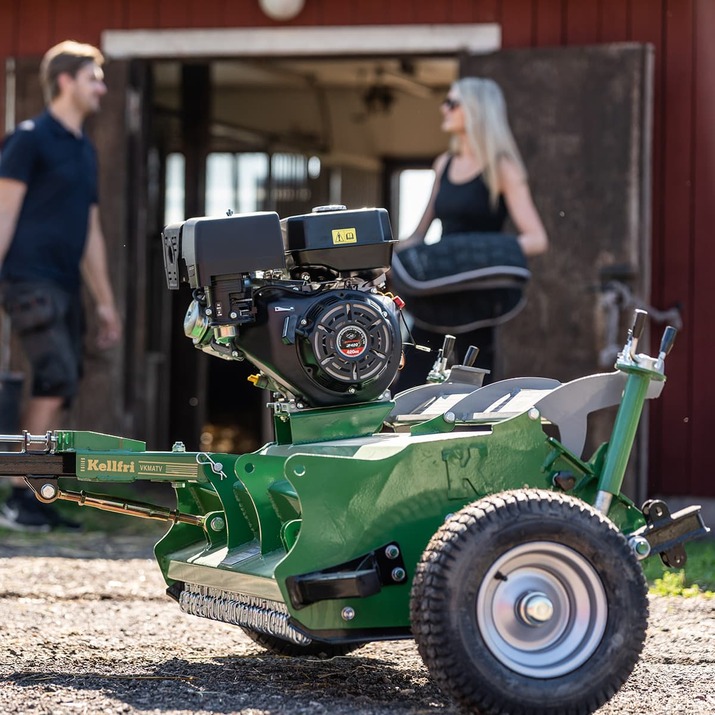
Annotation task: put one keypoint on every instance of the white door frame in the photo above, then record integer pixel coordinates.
(303, 41)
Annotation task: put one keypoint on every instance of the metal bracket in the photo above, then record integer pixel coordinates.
(667, 533)
(359, 578)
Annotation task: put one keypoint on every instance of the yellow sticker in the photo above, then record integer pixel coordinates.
(344, 235)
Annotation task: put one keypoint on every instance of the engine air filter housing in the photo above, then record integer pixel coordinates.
(346, 243)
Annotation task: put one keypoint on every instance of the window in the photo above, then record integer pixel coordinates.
(413, 191)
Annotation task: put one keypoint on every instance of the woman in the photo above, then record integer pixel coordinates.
(478, 183)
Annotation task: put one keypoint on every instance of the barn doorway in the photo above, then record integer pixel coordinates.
(282, 136)
(582, 120)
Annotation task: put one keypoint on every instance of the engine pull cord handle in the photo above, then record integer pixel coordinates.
(412, 342)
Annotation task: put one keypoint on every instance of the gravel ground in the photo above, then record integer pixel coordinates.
(88, 629)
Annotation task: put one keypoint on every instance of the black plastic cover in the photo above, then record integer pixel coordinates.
(213, 247)
(349, 242)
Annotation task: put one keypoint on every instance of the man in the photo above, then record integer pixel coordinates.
(51, 238)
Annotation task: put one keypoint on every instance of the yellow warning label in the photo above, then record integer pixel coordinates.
(344, 235)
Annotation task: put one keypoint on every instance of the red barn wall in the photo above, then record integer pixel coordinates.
(683, 145)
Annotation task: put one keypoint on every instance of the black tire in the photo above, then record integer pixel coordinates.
(529, 602)
(317, 649)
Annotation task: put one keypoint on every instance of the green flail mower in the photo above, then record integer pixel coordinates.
(459, 514)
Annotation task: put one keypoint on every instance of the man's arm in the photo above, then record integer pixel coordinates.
(96, 274)
(12, 194)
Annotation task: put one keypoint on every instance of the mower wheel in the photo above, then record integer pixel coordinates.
(531, 602)
(319, 649)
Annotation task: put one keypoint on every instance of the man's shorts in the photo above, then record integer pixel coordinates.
(50, 326)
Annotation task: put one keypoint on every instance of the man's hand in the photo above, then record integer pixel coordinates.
(110, 326)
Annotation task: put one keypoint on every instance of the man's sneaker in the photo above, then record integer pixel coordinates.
(22, 512)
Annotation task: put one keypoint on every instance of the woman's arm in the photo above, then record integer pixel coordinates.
(418, 235)
(532, 234)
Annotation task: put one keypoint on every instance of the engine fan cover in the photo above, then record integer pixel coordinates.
(353, 340)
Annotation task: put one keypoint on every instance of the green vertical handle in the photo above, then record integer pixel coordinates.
(624, 433)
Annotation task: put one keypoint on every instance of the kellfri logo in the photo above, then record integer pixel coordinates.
(109, 465)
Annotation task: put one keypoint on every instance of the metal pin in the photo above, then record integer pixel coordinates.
(216, 467)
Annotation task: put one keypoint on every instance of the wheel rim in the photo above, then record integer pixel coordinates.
(542, 609)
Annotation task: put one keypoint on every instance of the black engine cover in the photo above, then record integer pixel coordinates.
(327, 348)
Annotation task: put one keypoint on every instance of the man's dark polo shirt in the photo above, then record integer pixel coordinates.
(60, 170)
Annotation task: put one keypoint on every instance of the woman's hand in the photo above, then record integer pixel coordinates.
(414, 240)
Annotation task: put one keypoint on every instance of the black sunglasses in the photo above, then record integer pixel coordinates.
(451, 103)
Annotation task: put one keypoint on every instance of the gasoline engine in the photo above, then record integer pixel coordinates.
(301, 298)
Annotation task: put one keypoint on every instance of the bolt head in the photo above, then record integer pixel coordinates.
(399, 574)
(640, 546)
(48, 491)
(347, 613)
(392, 551)
(217, 523)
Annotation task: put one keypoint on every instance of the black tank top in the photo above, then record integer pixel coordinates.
(463, 208)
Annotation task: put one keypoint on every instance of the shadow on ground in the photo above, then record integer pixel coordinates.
(269, 683)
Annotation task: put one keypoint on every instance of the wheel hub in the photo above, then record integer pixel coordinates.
(542, 609)
(535, 608)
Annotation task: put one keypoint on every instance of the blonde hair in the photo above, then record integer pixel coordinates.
(487, 128)
(66, 57)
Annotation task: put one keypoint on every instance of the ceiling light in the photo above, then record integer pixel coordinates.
(281, 9)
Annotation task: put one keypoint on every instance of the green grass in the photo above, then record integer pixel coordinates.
(696, 579)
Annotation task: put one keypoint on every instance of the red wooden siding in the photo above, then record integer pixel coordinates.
(702, 222)
(683, 144)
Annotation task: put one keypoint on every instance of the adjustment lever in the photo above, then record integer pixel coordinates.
(437, 373)
(666, 345)
(636, 331)
(447, 348)
(666, 342)
(471, 356)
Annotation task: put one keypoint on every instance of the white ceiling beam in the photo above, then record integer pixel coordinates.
(303, 41)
